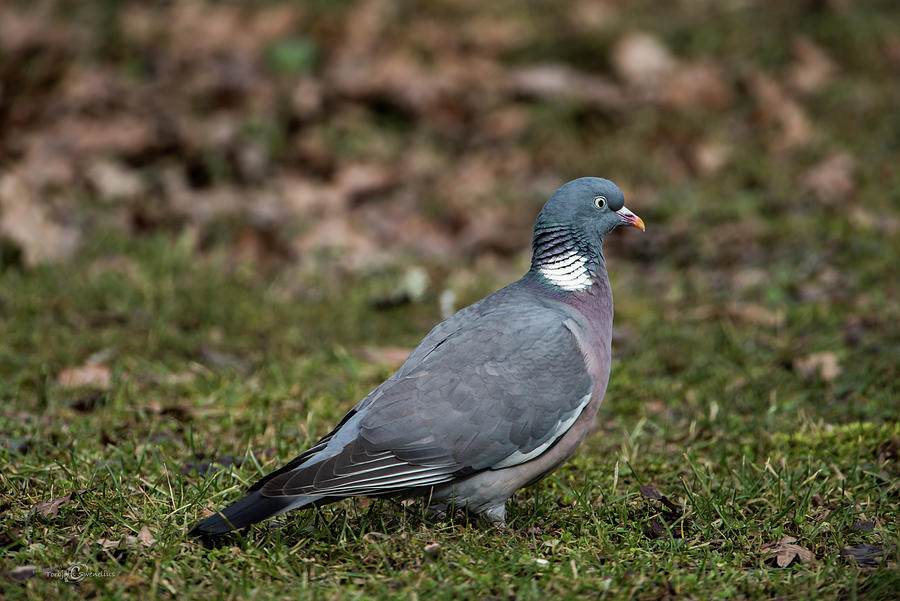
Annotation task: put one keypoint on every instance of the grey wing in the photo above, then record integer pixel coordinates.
(484, 397)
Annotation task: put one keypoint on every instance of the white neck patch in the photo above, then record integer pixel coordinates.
(569, 271)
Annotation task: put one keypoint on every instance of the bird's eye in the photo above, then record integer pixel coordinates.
(600, 202)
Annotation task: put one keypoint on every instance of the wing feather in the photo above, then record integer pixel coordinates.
(492, 395)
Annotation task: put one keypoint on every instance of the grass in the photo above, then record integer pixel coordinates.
(702, 407)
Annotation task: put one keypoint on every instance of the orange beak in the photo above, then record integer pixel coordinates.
(629, 218)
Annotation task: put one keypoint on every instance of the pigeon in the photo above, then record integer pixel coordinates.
(494, 398)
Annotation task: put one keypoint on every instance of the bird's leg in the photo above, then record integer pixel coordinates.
(436, 511)
(496, 515)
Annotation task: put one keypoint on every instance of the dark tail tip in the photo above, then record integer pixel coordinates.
(249, 510)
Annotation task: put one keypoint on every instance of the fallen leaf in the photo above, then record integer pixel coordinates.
(555, 81)
(497, 34)
(118, 134)
(28, 224)
(650, 492)
(822, 366)
(642, 61)
(656, 527)
(307, 97)
(145, 536)
(831, 180)
(88, 376)
(358, 181)
(113, 181)
(891, 50)
(755, 314)
(144, 539)
(709, 157)
(776, 108)
(21, 573)
(785, 552)
(700, 85)
(864, 556)
(50, 509)
(812, 68)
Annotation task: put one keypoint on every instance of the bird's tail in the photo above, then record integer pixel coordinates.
(249, 510)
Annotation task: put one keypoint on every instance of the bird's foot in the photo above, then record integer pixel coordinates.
(436, 511)
(496, 515)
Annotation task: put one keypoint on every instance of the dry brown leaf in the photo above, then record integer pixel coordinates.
(356, 181)
(709, 157)
(92, 376)
(27, 223)
(701, 85)
(747, 278)
(117, 134)
(831, 180)
(20, 573)
(50, 509)
(144, 539)
(890, 49)
(113, 181)
(756, 314)
(443, 91)
(776, 108)
(822, 365)
(45, 165)
(199, 31)
(145, 536)
(560, 82)
(642, 61)
(364, 28)
(497, 34)
(784, 552)
(589, 15)
(650, 491)
(812, 68)
(337, 232)
(307, 97)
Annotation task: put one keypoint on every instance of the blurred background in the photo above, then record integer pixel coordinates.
(155, 156)
(285, 132)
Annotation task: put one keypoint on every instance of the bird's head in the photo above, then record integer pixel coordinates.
(590, 206)
(569, 232)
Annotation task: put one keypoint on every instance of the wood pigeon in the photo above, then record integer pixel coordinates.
(494, 398)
